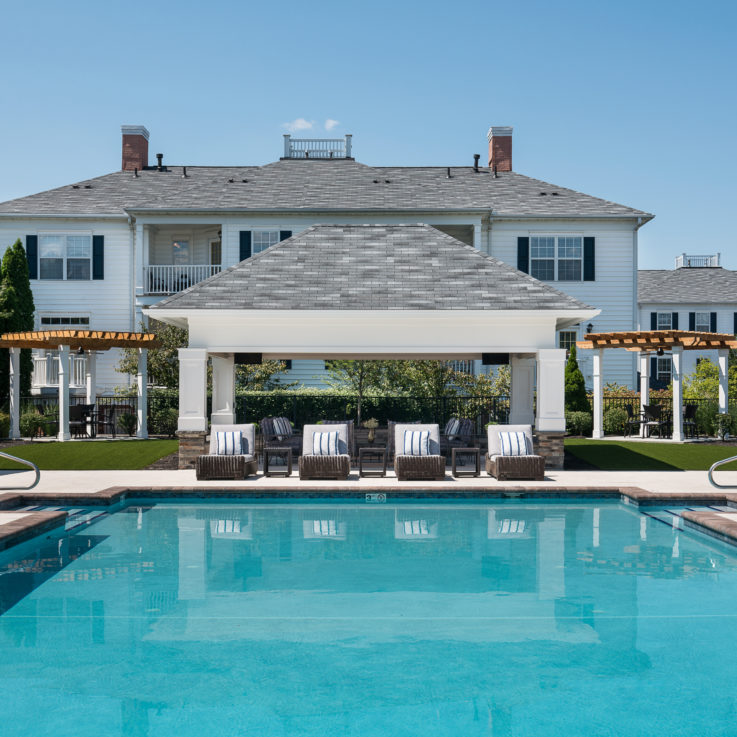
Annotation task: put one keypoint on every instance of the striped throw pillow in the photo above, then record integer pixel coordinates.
(228, 443)
(282, 428)
(416, 443)
(513, 443)
(325, 443)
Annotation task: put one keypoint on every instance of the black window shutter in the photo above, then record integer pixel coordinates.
(674, 321)
(98, 256)
(653, 321)
(713, 322)
(32, 256)
(692, 321)
(245, 249)
(284, 234)
(523, 255)
(589, 259)
(653, 368)
(735, 323)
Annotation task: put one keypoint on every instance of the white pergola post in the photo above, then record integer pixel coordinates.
(64, 394)
(223, 390)
(91, 384)
(142, 393)
(722, 360)
(598, 393)
(15, 393)
(192, 390)
(551, 416)
(644, 386)
(522, 370)
(677, 378)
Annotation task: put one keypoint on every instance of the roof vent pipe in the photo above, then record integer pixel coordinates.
(495, 174)
(476, 158)
(448, 174)
(184, 172)
(135, 172)
(159, 166)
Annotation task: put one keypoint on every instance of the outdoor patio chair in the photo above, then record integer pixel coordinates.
(231, 465)
(277, 432)
(653, 420)
(351, 434)
(391, 425)
(78, 419)
(457, 433)
(332, 461)
(633, 421)
(525, 464)
(427, 464)
(690, 428)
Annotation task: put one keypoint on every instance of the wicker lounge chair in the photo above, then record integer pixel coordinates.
(512, 467)
(429, 467)
(214, 466)
(351, 434)
(456, 436)
(325, 466)
(280, 437)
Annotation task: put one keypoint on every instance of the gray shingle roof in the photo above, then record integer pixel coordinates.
(339, 184)
(371, 267)
(702, 285)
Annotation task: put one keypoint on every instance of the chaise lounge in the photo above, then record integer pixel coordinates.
(415, 456)
(325, 452)
(232, 453)
(511, 454)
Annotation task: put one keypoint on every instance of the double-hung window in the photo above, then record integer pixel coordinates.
(663, 373)
(702, 323)
(65, 257)
(556, 258)
(566, 339)
(665, 321)
(263, 239)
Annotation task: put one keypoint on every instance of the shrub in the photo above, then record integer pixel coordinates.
(615, 419)
(128, 422)
(579, 423)
(31, 424)
(706, 413)
(164, 421)
(575, 389)
(723, 424)
(4, 425)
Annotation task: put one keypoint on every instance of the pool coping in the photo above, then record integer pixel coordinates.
(37, 522)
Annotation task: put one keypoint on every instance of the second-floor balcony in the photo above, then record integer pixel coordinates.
(170, 279)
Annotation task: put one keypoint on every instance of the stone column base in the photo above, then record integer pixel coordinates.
(550, 446)
(191, 445)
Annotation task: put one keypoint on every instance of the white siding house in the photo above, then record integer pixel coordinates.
(165, 228)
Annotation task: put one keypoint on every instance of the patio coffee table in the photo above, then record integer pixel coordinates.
(473, 452)
(270, 454)
(378, 455)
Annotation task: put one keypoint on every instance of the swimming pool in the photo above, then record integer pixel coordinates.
(337, 618)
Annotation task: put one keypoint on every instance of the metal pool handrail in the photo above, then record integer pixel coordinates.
(710, 473)
(30, 464)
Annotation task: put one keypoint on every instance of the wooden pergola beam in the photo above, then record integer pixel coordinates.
(88, 340)
(653, 340)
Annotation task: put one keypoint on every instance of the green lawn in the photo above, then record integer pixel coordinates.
(100, 455)
(613, 455)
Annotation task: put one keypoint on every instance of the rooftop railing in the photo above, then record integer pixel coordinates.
(317, 148)
(168, 279)
(690, 261)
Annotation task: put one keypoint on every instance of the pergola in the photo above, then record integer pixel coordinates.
(647, 343)
(80, 341)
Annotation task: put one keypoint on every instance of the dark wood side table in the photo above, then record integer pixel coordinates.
(270, 453)
(377, 454)
(473, 452)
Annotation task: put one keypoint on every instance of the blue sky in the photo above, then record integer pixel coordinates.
(630, 101)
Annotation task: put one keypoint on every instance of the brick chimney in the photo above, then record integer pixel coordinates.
(500, 147)
(135, 147)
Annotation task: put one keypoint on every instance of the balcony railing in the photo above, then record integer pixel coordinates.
(46, 371)
(169, 279)
(686, 261)
(317, 148)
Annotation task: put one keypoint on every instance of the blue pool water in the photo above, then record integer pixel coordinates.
(505, 619)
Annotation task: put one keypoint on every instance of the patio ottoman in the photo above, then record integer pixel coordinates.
(516, 467)
(225, 467)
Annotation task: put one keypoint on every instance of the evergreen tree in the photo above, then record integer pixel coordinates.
(17, 313)
(575, 387)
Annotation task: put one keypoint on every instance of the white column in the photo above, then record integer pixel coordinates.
(677, 377)
(91, 383)
(64, 393)
(223, 390)
(598, 393)
(142, 393)
(477, 237)
(139, 261)
(15, 393)
(644, 386)
(522, 372)
(193, 389)
(551, 390)
(723, 380)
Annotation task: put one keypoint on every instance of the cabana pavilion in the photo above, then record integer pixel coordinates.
(372, 292)
(66, 341)
(656, 342)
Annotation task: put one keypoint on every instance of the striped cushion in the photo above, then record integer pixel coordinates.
(282, 428)
(325, 443)
(229, 443)
(513, 443)
(416, 443)
(452, 428)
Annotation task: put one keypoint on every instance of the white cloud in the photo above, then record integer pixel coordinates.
(330, 124)
(298, 124)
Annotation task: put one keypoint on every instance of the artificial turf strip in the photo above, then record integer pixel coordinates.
(100, 455)
(614, 455)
